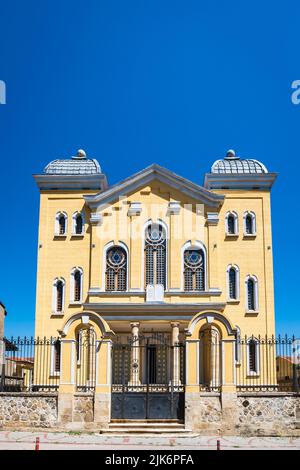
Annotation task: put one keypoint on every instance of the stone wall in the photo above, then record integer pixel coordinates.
(83, 408)
(20, 410)
(255, 414)
(272, 415)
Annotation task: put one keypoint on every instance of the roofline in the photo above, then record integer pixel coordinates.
(96, 181)
(146, 175)
(263, 181)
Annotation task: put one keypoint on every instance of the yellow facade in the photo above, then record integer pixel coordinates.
(192, 217)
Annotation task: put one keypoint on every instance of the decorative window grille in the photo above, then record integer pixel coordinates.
(59, 296)
(251, 294)
(194, 272)
(232, 284)
(116, 269)
(62, 224)
(249, 224)
(78, 224)
(252, 352)
(231, 224)
(77, 286)
(155, 255)
(57, 353)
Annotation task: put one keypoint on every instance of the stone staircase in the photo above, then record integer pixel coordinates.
(147, 427)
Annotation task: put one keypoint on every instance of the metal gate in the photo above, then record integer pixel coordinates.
(148, 379)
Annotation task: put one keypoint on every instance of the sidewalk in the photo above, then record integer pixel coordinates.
(25, 440)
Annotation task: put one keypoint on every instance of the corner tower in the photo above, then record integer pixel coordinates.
(64, 236)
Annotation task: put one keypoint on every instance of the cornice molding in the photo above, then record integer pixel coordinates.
(249, 181)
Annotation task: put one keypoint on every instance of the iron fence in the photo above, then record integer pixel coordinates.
(30, 364)
(260, 364)
(267, 364)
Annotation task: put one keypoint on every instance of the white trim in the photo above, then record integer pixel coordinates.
(56, 225)
(257, 358)
(74, 216)
(237, 282)
(236, 223)
(54, 296)
(166, 228)
(135, 208)
(72, 285)
(253, 217)
(105, 250)
(256, 297)
(197, 245)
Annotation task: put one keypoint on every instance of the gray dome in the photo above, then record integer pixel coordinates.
(77, 165)
(233, 164)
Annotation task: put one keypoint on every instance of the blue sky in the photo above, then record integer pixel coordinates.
(136, 82)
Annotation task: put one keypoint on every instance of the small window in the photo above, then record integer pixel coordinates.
(249, 223)
(251, 294)
(58, 295)
(231, 223)
(59, 290)
(78, 224)
(251, 301)
(57, 353)
(253, 359)
(61, 223)
(77, 286)
(232, 284)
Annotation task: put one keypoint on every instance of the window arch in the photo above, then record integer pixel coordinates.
(233, 282)
(194, 269)
(249, 223)
(61, 220)
(116, 269)
(58, 296)
(231, 223)
(155, 248)
(78, 223)
(253, 355)
(251, 294)
(76, 285)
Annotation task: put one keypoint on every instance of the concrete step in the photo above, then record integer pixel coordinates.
(146, 427)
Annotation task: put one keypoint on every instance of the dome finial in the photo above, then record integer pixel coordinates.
(80, 154)
(230, 154)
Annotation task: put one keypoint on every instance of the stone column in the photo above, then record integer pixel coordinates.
(135, 355)
(176, 354)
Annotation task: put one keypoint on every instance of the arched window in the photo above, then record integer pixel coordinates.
(233, 282)
(155, 255)
(251, 293)
(78, 224)
(76, 285)
(116, 269)
(249, 223)
(58, 296)
(194, 270)
(61, 223)
(231, 223)
(253, 356)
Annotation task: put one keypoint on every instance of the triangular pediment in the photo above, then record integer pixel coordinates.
(146, 177)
